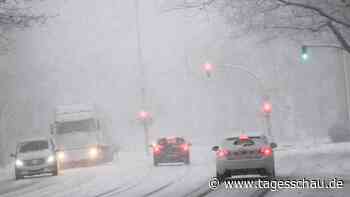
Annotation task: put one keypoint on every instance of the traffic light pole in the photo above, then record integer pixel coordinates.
(142, 73)
(145, 128)
(268, 125)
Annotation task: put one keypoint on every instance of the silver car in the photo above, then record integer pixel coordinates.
(37, 156)
(244, 155)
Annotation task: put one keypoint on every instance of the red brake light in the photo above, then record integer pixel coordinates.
(222, 153)
(185, 147)
(157, 148)
(243, 137)
(266, 151)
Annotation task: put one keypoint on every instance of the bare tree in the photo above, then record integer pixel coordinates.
(326, 19)
(17, 14)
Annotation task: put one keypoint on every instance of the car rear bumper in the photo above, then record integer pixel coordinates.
(167, 158)
(266, 163)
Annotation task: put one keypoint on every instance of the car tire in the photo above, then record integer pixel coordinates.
(17, 176)
(220, 177)
(155, 162)
(187, 160)
(271, 174)
(55, 171)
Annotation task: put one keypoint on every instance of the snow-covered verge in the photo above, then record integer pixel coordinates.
(6, 172)
(317, 148)
(326, 160)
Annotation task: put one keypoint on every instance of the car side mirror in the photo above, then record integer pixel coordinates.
(273, 145)
(52, 129)
(12, 155)
(215, 148)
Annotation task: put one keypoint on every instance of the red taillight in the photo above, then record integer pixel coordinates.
(185, 147)
(222, 153)
(157, 149)
(243, 137)
(266, 151)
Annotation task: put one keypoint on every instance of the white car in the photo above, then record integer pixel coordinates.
(37, 156)
(245, 155)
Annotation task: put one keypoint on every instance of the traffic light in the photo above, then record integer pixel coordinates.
(143, 115)
(208, 68)
(267, 107)
(304, 53)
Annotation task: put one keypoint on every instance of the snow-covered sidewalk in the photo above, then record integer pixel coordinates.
(328, 159)
(6, 172)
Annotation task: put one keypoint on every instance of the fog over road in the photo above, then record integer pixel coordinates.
(158, 97)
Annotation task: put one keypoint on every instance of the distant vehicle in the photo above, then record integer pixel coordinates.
(81, 136)
(37, 156)
(173, 149)
(245, 155)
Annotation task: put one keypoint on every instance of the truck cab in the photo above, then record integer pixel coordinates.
(79, 136)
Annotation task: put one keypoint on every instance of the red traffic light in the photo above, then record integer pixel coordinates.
(143, 115)
(208, 67)
(267, 107)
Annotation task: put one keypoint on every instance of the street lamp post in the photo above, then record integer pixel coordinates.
(143, 115)
(267, 108)
(145, 119)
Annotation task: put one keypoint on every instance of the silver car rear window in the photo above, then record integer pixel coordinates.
(235, 141)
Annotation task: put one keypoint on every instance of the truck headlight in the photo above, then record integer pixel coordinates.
(60, 156)
(19, 163)
(50, 159)
(93, 152)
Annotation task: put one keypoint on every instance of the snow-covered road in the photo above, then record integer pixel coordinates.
(134, 175)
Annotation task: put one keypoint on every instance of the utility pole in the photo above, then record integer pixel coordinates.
(142, 76)
(346, 76)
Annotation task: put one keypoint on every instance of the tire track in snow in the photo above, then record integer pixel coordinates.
(120, 189)
(170, 183)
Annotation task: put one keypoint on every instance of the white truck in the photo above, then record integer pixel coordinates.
(81, 137)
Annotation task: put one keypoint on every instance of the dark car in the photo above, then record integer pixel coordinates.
(171, 150)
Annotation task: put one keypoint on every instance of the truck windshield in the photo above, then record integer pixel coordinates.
(33, 146)
(73, 126)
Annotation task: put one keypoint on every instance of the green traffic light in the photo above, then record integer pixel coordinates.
(305, 56)
(304, 53)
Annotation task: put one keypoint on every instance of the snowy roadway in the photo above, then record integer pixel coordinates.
(134, 175)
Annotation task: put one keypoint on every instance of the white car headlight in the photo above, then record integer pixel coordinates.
(93, 152)
(60, 156)
(19, 163)
(50, 159)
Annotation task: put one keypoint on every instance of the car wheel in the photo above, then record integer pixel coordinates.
(187, 160)
(55, 172)
(17, 176)
(271, 174)
(220, 177)
(155, 162)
